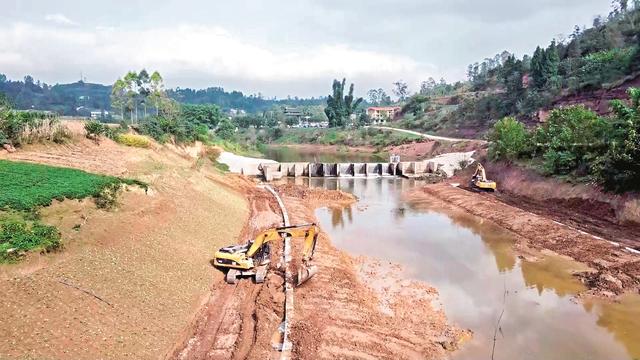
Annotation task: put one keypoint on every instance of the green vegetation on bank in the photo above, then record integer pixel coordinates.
(27, 187)
(575, 142)
(27, 127)
(333, 136)
(20, 233)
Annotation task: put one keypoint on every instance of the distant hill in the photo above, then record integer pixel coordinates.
(592, 66)
(77, 99)
(65, 99)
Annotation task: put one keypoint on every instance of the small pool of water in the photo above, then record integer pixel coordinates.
(472, 264)
(302, 154)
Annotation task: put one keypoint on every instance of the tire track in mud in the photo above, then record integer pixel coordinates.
(338, 313)
(226, 326)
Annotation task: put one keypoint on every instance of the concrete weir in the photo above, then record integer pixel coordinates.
(271, 170)
(409, 169)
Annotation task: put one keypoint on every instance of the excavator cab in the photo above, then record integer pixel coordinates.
(252, 259)
(479, 180)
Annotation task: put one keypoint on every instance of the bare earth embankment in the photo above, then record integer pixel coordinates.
(129, 281)
(614, 269)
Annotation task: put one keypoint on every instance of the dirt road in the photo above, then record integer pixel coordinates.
(427, 136)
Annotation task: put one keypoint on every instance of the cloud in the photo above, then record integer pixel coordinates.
(191, 55)
(59, 19)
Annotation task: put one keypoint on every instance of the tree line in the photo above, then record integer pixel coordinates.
(79, 98)
(576, 142)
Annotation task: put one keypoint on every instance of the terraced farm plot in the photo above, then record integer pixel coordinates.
(27, 186)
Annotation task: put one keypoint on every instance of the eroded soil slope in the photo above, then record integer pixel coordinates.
(128, 281)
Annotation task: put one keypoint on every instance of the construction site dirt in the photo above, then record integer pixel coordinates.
(337, 314)
(138, 281)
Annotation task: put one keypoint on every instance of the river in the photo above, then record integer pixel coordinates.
(479, 277)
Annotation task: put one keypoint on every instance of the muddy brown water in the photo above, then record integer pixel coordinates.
(472, 264)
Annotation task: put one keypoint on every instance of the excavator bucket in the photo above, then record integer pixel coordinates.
(305, 273)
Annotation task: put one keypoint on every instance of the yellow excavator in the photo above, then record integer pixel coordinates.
(479, 180)
(252, 259)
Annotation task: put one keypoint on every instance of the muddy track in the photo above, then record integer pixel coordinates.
(225, 328)
(337, 314)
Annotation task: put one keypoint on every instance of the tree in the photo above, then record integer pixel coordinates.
(416, 105)
(544, 67)
(131, 81)
(537, 68)
(225, 129)
(340, 106)
(509, 139)
(619, 168)
(119, 96)
(143, 82)
(428, 87)
(401, 90)
(207, 114)
(571, 139)
(378, 97)
(157, 93)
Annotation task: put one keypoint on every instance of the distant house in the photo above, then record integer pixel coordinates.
(295, 113)
(237, 112)
(99, 114)
(380, 114)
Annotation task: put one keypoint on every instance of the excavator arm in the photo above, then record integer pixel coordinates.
(251, 258)
(307, 231)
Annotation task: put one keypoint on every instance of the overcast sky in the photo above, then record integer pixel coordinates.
(277, 48)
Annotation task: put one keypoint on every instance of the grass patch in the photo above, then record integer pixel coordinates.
(20, 232)
(133, 140)
(25, 186)
(237, 148)
(346, 138)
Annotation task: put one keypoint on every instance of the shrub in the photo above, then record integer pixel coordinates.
(60, 134)
(572, 138)
(213, 153)
(18, 234)
(94, 129)
(133, 140)
(225, 129)
(17, 127)
(107, 198)
(509, 139)
(619, 168)
(162, 128)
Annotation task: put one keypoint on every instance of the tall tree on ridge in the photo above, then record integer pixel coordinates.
(340, 106)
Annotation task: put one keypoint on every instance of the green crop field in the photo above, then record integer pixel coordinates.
(25, 186)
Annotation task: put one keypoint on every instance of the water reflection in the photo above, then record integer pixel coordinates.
(295, 154)
(472, 264)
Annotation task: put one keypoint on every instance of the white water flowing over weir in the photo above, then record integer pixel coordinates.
(285, 328)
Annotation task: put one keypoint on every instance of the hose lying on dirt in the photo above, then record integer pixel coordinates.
(285, 328)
